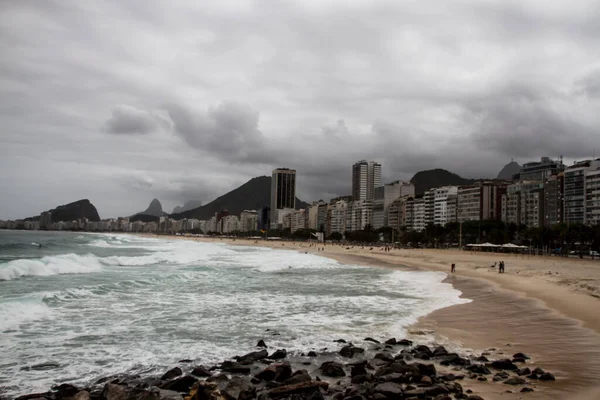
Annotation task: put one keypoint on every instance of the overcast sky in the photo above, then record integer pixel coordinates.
(124, 101)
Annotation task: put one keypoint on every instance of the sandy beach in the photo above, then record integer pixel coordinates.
(546, 307)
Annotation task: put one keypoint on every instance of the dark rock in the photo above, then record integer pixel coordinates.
(426, 369)
(311, 354)
(538, 371)
(390, 390)
(172, 373)
(515, 380)
(391, 341)
(261, 343)
(425, 381)
(340, 341)
(524, 371)
(218, 378)
(332, 369)
(253, 357)
(439, 351)
(423, 349)
(482, 358)
(358, 370)
(448, 377)
(278, 354)
(66, 390)
(350, 351)
(358, 379)
(41, 367)
(201, 372)
(474, 397)
(182, 384)
(369, 339)
(423, 356)
(82, 395)
(300, 388)
(298, 377)
(405, 342)
(526, 390)
(185, 361)
(276, 372)
(396, 377)
(505, 364)
(387, 357)
(521, 355)
(532, 376)
(234, 367)
(482, 378)
(114, 392)
(238, 389)
(436, 390)
(547, 376)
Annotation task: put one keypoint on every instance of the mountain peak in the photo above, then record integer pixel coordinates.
(509, 170)
(155, 208)
(425, 180)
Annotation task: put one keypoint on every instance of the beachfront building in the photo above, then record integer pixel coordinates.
(336, 217)
(553, 199)
(532, 207)
(523, 203)
(429, 204)
(249, 221)
(283, 193)
(442, 209)
(359, 214)
(574, 190)
(317, 216)
(230, 224)
(469, 203)
(592, 197)
(511, 208)
(480, 201)
(366, 176)
(418, 214)
(384, 197)
(541, 170)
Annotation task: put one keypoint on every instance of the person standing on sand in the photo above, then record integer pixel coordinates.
(453, 268)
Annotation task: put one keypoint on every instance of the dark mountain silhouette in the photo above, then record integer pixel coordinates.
(509, 170)
(189, 205)
(152, 213)
(425, 180)
(73, 211)
(252, 195)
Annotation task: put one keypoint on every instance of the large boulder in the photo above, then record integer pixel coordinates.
(479, 369)
(234, 367)
(172, 373)
(182, 384)
(515, 380)
(66, 390)
(504, 364)
(278, 354)
(238, 389)
(332, 369)
(201, 372)
(547, 376)
(275, 372)
(390, 390)
(439, 351)
(350, 351)
(309, 389)
(114, 392)
(252, 357)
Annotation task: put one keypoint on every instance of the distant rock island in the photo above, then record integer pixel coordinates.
(252, 195)
(425, 180)
(72, 211)
(152, 213)
(509, 170)
(189, 205)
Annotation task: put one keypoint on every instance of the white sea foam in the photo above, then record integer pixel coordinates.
(21, 310)
(50, 265)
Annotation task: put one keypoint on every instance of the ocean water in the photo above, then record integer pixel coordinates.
(95, 305)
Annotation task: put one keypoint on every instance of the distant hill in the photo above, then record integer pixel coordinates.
(425, 180)
(189, 205)
(509, 170)
(252, 195)
(73, 211)
(155, 208)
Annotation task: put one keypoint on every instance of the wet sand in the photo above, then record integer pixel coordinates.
(553, 318)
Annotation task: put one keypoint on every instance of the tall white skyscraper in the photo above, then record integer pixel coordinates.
(366, 176)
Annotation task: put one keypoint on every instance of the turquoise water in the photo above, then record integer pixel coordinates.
(95, 305)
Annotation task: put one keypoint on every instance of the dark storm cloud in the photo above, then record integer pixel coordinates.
(126, 103)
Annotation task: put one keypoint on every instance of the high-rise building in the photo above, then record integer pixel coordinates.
(540, 170)
(283, 191)
(366, 176)
(553, 199)
(574, 190)
(592, 197)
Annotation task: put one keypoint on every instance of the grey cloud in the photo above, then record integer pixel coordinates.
(130, 120)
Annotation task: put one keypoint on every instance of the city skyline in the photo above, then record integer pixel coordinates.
(101, 101)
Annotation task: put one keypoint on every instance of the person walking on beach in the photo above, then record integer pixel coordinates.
(453, 268)
(501, 267)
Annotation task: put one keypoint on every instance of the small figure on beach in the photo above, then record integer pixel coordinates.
(501, 267)
(453, 268)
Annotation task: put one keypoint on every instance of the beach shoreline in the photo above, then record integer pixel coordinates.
(550, 317)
